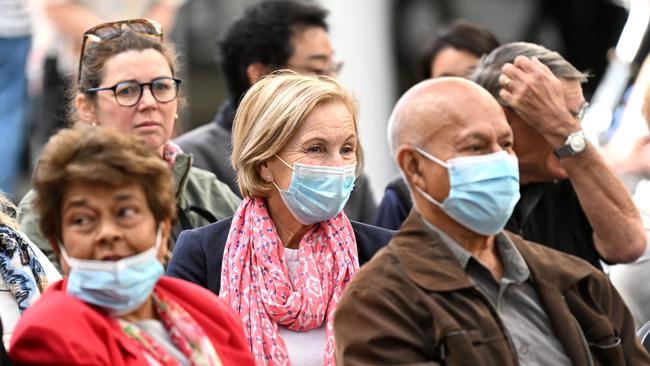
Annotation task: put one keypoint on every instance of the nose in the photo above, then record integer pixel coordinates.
(108, 233)
(147, 99)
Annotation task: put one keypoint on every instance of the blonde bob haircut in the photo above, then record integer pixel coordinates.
(270, 115)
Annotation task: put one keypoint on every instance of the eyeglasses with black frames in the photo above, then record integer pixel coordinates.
(105, 31)
(129, 93)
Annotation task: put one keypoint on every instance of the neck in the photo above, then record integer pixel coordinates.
(480, 246)
(145, 311)
(289, 229)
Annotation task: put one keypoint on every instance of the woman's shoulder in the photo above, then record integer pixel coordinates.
(372, 231)
(215, 232)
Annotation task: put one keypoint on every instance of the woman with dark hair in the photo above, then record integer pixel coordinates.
(127, 81)
(106, 203)
(455, 50)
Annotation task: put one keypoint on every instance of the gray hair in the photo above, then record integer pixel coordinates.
(486, 73)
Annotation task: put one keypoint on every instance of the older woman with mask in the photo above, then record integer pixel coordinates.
(127, 81)
(283, 261)
(107, 203)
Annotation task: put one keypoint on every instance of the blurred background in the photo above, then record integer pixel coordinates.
(379, 41)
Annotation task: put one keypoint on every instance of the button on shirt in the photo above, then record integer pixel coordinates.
(515, 300)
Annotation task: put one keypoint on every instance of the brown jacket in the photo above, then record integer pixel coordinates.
(413, 304)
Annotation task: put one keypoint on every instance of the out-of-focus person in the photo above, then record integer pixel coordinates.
(454, 51)
(571, 199)
(127, 81)
(452, 287)
(270, 35)
(631, 279)
(64, 21)
(283, 261)
(25, 272)
(107, 202)
(15, 42)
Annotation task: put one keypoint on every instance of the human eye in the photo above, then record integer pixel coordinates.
(126, 89)
(127, 212)
(506, 144)
(162, 84)
(347, 149)
(80, 220)
(316, 149)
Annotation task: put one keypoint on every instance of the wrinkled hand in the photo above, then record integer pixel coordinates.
(537, 96)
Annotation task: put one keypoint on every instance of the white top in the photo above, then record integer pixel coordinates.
(304, 348)
(9, 312)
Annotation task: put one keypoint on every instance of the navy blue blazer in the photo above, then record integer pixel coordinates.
(198, 253)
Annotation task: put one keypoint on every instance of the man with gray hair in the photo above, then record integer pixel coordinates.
(570, 198)
(452, 287)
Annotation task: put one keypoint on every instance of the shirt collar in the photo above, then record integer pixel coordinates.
(514, 265)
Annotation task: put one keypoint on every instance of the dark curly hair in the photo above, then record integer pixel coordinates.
(263, 34)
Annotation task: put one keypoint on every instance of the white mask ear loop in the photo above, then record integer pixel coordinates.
(437, 161)
(431, 157)
(288, 166)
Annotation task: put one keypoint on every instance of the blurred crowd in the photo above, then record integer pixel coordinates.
(515, 233)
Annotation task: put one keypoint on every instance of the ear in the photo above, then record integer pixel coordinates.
(166, 228)
(86, 108)
(255, 72)
(409, 164)
(264, 170)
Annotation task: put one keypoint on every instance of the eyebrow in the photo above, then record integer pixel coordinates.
(319, 57)
(318, 138)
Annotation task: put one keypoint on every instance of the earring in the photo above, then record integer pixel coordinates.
(94, 124)
(176, 116)
(268, 178)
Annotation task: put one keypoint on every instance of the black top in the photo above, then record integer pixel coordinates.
(198, 252)
(550, 214)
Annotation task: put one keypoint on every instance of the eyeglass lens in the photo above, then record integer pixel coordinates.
(128, 93)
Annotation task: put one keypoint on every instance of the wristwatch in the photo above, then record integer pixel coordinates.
(574, 144)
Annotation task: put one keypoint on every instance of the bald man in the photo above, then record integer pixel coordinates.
(452, 287)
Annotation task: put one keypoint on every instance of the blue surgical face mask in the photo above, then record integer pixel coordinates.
(484, 190)
(118, 287)
(317, 193)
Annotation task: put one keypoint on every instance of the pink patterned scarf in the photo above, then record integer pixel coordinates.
(255, 280)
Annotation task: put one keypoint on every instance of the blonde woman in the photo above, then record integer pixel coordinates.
(285, 258)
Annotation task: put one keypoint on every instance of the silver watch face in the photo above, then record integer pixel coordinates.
(578, 143)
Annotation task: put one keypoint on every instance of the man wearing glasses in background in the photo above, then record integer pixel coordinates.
(269, 36)
(571, 200)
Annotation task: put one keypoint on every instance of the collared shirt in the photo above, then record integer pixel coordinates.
(514, 299)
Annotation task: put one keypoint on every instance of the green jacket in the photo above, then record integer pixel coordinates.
(200, 198)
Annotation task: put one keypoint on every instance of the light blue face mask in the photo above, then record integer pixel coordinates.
(118, 287)
(484, 190)
(317, 193)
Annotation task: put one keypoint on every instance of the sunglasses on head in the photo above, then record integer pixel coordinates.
(105, 31)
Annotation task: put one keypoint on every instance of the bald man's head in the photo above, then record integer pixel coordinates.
(436, 104)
